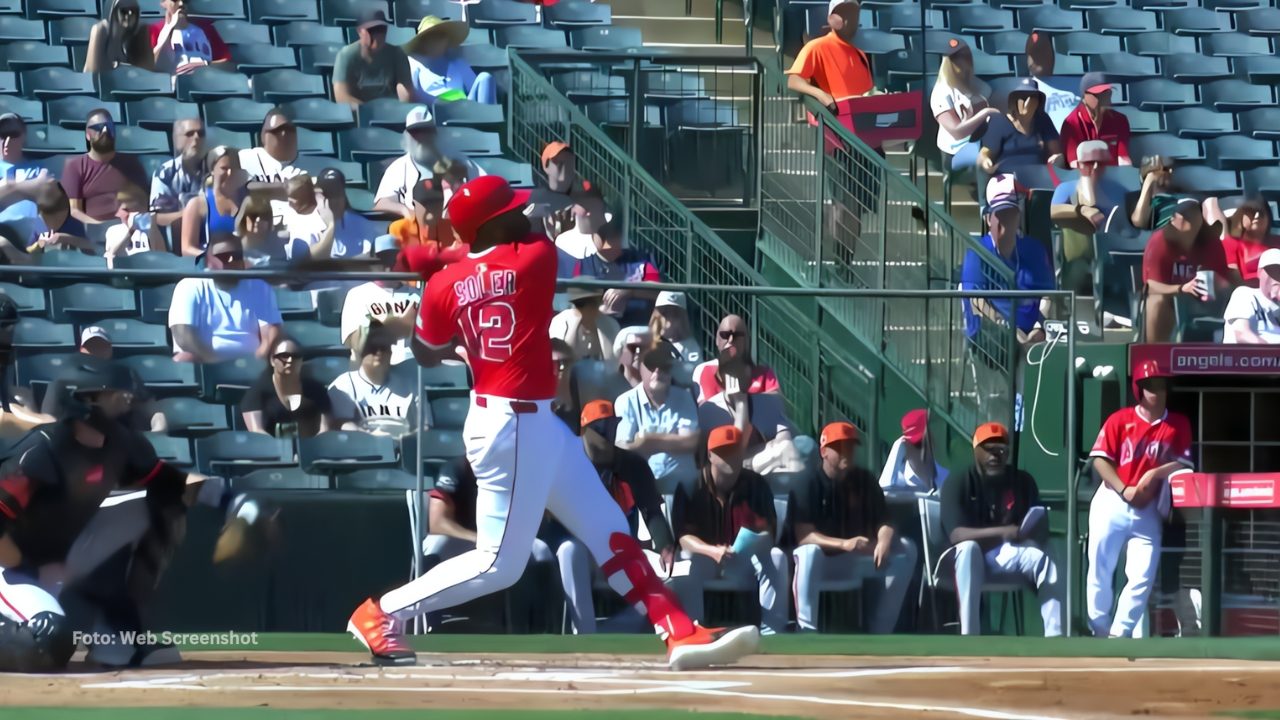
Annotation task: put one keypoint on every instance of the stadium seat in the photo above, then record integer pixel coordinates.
(390, 113)
(1160, 44)
(44, 140)
(469, 142)
(1195, 68)
(54, 82)
(254, 59)
(374, 479)
(1117, 274)
(1235, 95)
(1196, 21)
(38, 372)
(529, 37)
(66, 259)
(238, 114)
(225, 382)
(1090, 4)
(465, 113)
(72, 112)
(449, 413)
(242, 32)
(150, 166)
(1264, 181)
(130, 336)
(1258, 70)
(606, 39)
(1235, 6)
(1049, 19)
(314, 164)
(317, 59)
(584, 86)
(28, 54)
(317, 114)
(339, 451)
(316, 142)
(445, 377)
(54, 9)
(329, 306)
(16, 28)
(1122, 66)
(8, 82)
(1121, 21)
(71, 31)
(285, 478)
(485, 57)
(137, 141)
(1261, 21)
(216, 9)
(369, 144)
(410, 12)
(153, 302)
(1262, 123)
(152, 261)
(303, 34)
(295, 304)
(124, 84)
(438, 447)
(40, 335)
(1201, 180)
(216, 136)
(174, 451)
(1159, 93)
(31, 111)
(325, 370)
(1009, 42)
(234, 452)
(1085, 42)
(518, 174)
(977, 19)
(286, 85)
(164, 377)
(1198, 122)
(395, 35)
(1236, 45)
(346, 12)
(1164, 144)
(575, 14)
(158, 113)
(30, 301)
(492, 14)
(211, 83)
(274, 12)
(317, 340)
(1238, 152)
(1014, 4)
(871, 42)
(193, 418)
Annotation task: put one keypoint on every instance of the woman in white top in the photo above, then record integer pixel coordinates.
(911, 467)
(959, 102)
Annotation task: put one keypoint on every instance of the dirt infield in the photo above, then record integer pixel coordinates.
(808, 686)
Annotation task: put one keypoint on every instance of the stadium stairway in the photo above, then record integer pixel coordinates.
(686, 25)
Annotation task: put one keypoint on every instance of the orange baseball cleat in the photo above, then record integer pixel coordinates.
(379, 632)
(712, 646)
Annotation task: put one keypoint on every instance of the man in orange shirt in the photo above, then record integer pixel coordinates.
(829, 68)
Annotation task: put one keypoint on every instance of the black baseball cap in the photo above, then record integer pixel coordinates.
(372, 17)
(331, 180)
(12, 120)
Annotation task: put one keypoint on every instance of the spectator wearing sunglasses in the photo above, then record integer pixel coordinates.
(371, 397)
(178, 181)
(263, 243)
(94, 180)
(119, 40)
(225, 318)
(181, 44)
(284, 396)
(270, 165)
(371, 68)
(733, 348)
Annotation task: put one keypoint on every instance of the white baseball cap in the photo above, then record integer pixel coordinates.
(831, 6)
(93, 331)
(639, 333)
(1269, 258)
(419, 117)
(667, 298)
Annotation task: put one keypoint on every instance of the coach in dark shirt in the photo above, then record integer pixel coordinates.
(726, 501)
(842, 532)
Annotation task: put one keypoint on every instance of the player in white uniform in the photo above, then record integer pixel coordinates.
(498, 299)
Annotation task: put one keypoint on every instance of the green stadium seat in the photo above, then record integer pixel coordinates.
(1199, 122)
(445, 377)
(175, 451)
(1262, 123)
(215, 136)
(193, 418)
(124, 84)
(138, 141)
(529, 37)
(16, 28)
(1121, 21)
(237, 453)
(584, 86)
(153, 302)
(375, 479)
(390, 113)
(32, 111)
(369, 144)
(285, 85)
(1123, 66)
(395, 35)
(1165, 144)
(317, 114)
(408, 13)
(30, 301)
(1161, 94)
(216, 10)
(1258, 70)
(130, 336)
(285, 478)
(66, 259)
(212, 83)
(1234, 45)
(1085, 42)
(449, 413)
(30, 54)
(1049, 19)
(325, 370)
(226, 382)
(242, 32)
(152, 261)
(1195, 21)
(318, 59)
(1201, 181)
(519, 175)
(465, 113)
(150, 165)
(8, 82)
(314, 164)
(977, 19)
(1259, 21)
(72, 112)
(38, 372)
(438, 448)
(237, 114)
(341, 13)
(341, 451)
(274, 12)
(492, 14)
(329, 306)
(54, 9)
(607, 39)
(469, 142)
(1239, 152)
(158, 113)
(254, 59)
(54, 82)
(1142, 121)
(295, 305)
(315, 142)
(484, 57)
(164, 377)
(317, 340)
(1117, 275)
(1160, 44)
(303, 34)
(37, 335)
(1263, 181)
(1235, 95)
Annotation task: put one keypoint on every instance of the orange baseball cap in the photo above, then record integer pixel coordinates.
(596, 410)
(987, 432)
(914, 425)
(837, 431)
(722, 437)
(553, 149)
(481, 200)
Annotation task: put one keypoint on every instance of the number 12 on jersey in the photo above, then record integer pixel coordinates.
(489, 328)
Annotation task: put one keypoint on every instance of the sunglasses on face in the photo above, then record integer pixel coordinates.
(732, 334)
(285, 357)
(102, 127)
(229, 257)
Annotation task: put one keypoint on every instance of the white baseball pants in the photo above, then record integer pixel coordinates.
(1115, 525)
(1006, 563)
(814, 568)
(526, 462)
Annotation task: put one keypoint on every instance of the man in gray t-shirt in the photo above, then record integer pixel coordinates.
(369, 68)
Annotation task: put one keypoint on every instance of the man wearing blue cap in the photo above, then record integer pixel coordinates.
(1095, 120)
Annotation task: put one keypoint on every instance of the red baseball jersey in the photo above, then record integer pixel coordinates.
(1137, 445)
(499, 301)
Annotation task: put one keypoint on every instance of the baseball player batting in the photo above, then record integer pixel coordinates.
(498, 299)
(1136, 451)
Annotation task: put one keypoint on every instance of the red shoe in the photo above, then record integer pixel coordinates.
(712, 646)
(379, 632)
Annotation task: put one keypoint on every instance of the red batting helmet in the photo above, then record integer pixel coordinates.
(1146, 370)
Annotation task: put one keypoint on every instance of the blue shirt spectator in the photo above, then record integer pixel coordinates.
(1025, 256)
(15, 167)
(660, 422)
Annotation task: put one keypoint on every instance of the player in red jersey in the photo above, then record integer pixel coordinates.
(498, 300)
(1136, 451)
